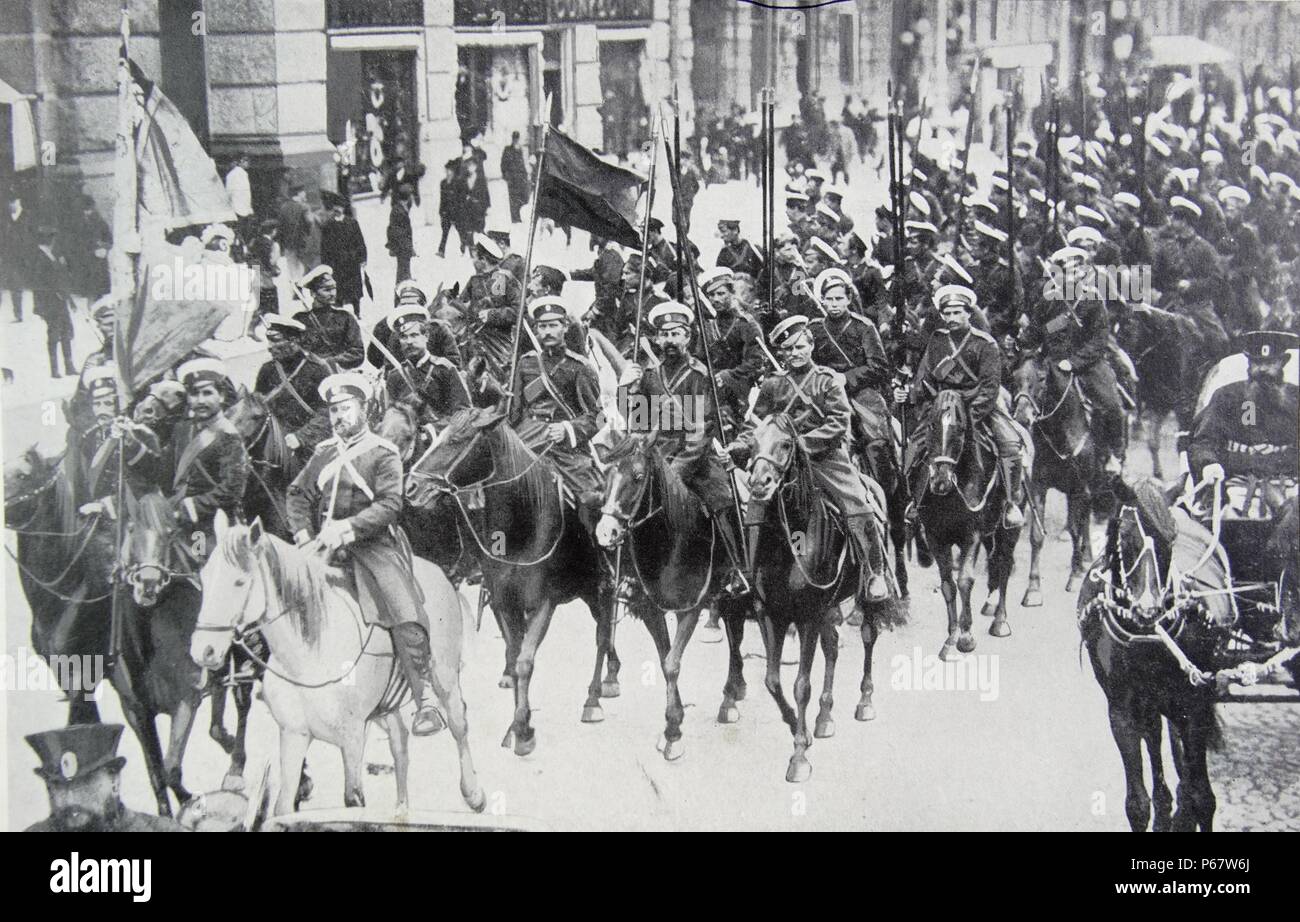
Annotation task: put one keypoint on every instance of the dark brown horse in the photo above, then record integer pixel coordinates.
(535, 552)
(1050, 404)
(665, 541)
(960, 507)
(803, 571)
(1129, 598)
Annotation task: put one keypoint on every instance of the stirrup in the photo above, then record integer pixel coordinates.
(428, 721)
(877, 588)
(738, 585)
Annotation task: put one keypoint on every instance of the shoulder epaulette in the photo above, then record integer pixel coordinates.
(580, 358)
(980, 334)
(696, 365)
(863, 317)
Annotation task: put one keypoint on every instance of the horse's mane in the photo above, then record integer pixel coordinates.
(155, 513)
(1157, 520)
(528, 479)
(800, 474)
(301, 579)
(274, 451)
(681, 506)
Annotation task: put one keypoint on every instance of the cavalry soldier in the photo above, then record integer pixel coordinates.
(963, 358)
(847, 342)
(822, 417)
(736, 354)
(1186, 271)
(663, 254)
(616, 323)
(683, 378)
(211, 464)
(738, 254)
(83, 778)
(347, 499)
(791, 293)
(796, 214)
(997, 287)
(491, 298)
(332, 332)
(866, 274)
(290, 381)
(557, 409)
(548, 281)
(432, 382)
(818, 256)
(1071, 329)
(103, 313)
(442, 341)
(1247, 261)
(1135, 246)
(607, 274)
(99, 449)
(1249, 427)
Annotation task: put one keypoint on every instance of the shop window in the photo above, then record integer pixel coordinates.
(624, 113)
(353, 14)
(494, 94)
(373, 116)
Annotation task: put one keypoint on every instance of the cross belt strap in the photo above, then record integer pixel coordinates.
(286, 383)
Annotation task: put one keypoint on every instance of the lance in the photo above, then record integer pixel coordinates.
(676, 159)
(679, 219)
(528, 261)
(1011, 201)
(645, 244)
(769, 207)
(965, 154)
(1142, 157)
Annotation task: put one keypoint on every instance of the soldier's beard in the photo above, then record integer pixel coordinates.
(79, 819)
(348, 430)
(282, 352)
(1265, 388)
(672, 351)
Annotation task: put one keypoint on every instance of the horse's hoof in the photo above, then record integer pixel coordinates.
(610, 689)
(948, 653)
(305, 788)
(674, 750)
(1072, 584)
(855, 618)
(865, 712)
(592, 714)
(525, 745)
(1033, 599)
(506, 681)
(728, 714)
(966, 643)
(988, 609)
(1000, 628)
(710, 633)
(476, 800)
(800, 770)
(824, 729)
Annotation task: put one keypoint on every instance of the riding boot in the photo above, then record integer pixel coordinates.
(469, 569)
(872, 586)
(1012, 475)
(738, 583)
(411, 646)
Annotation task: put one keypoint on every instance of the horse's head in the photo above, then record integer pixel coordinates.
(459, 459)
(1026, 405)
(248, 414)
(27, 479)
(776, 443)
(1139, 550)
(234, 594)
(947, 441)
(627, 479)
(146, 554)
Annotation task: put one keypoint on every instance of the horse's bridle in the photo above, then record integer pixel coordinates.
(12, 501)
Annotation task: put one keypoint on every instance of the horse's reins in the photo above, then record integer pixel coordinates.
(48, 585)
(1065, 393)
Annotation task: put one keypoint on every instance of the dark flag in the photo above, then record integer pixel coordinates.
(579, 189)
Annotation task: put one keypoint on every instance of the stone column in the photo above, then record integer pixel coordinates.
(587, 97)
(440, 134)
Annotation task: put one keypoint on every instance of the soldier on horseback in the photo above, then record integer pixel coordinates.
(961, 358)
(290, 382)
(332, 332)
(430, 381)
(1071, 329)
(211, 464)
(347, 499)
(557, 409)
(100, 447)
(686, 447)
(736, 353)
(815, 399)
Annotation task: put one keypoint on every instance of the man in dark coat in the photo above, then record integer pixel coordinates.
(346, 501)
(332, 332)
(289, 382)
(514, 170)
(401, 240)
(343, 249)
(736, 355)
(430, 382)
(17, 245)
(297, 227)
(738, 254)
(48, 274)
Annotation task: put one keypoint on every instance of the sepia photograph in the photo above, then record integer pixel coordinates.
(651, 416)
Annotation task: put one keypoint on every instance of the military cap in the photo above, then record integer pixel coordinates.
(816, 174)
(74, 753)
(316, 276)
(104, 308)
(827, 212)
(331, 199)
(205, 369)
(488, 246)
(719, 275)
(989, 231)
(831, 278)
(1278, 176)
(1000, 183)
(799, 197)
(1084, 213)
(1160, 147)
(1068, 255)
(833, 190)
(917, 200)
(821, 246)
(1127, 198)
(284, 324)
(406, 313)
(920, 227)
(549, 307)
(410, 288)
(670, 314)
(951, 265)
(1083, 232)
(501, 236)
(1267, 344)
(346, 385)
(1186, 204)
(1258, 174)
(656, 225)
(216, 232)
(955, 294)
(788, 330)
(100, 378)
(1234, 193)
(1211, 157)
(169, 393)
(729, 222)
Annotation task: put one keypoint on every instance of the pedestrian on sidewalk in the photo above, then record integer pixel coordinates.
(401, 240)
(49, 277)
(16, 246)
(296, 228)
(514, 170)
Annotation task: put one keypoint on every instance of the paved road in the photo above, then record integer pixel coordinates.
(1033, 751)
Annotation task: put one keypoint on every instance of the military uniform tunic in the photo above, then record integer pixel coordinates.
(439, 388)
(562, 387)
(210, 471)
(851, 345)
(739, 257)
(293, 397)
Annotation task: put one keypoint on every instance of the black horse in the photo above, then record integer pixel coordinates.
(960, 507)
(803, 571)
(1050, 403)
(535, 552)
(1128, 599)
(65, 569)
(664, 539)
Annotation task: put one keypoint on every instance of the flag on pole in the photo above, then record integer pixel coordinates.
(579, 189)
(177, 181)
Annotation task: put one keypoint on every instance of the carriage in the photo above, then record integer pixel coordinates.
(1242, 515)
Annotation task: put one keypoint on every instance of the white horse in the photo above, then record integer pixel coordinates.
(329, 672)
